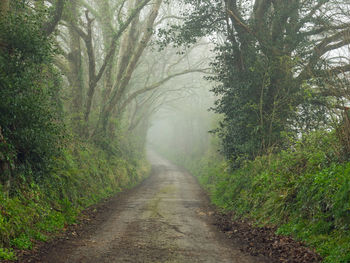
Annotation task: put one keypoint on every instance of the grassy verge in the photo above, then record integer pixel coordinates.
(81, 177)
(304, 191)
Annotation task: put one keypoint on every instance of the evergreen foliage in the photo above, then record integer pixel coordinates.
(30, 107)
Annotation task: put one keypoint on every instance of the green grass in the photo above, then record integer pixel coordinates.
(7, 254)
(303, 190)
(38, 211)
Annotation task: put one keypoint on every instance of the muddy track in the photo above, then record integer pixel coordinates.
(166, 219)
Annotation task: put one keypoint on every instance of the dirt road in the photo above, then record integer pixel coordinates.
(166, 219)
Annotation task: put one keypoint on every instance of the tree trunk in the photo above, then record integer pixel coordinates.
(123, 80)
(5, 167)
(76, 66)
(77, 83)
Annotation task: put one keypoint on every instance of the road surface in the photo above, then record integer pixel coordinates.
(166, 219)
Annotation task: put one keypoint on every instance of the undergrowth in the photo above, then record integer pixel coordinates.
(82, 176)
(303, 190)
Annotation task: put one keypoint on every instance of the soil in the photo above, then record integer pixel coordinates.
(167, 218)
(264, 241)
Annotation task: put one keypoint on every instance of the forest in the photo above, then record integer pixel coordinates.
(251, 97)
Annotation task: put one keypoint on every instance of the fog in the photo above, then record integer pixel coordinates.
(181, 128)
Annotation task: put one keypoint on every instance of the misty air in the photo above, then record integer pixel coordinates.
(175, 131)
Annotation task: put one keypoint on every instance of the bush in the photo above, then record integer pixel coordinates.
(30, 108)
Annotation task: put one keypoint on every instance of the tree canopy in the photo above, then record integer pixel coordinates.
(274, 62)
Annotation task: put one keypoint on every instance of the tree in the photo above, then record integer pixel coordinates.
(132, 46)
(30, 106)
(72, 62)
(270, 54)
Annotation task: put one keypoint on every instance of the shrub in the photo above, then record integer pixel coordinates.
(30, 108)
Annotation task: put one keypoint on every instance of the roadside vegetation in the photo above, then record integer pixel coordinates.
(83, 175)
(278, 153)
(303, 190)
(48, 173)
(74, 110)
